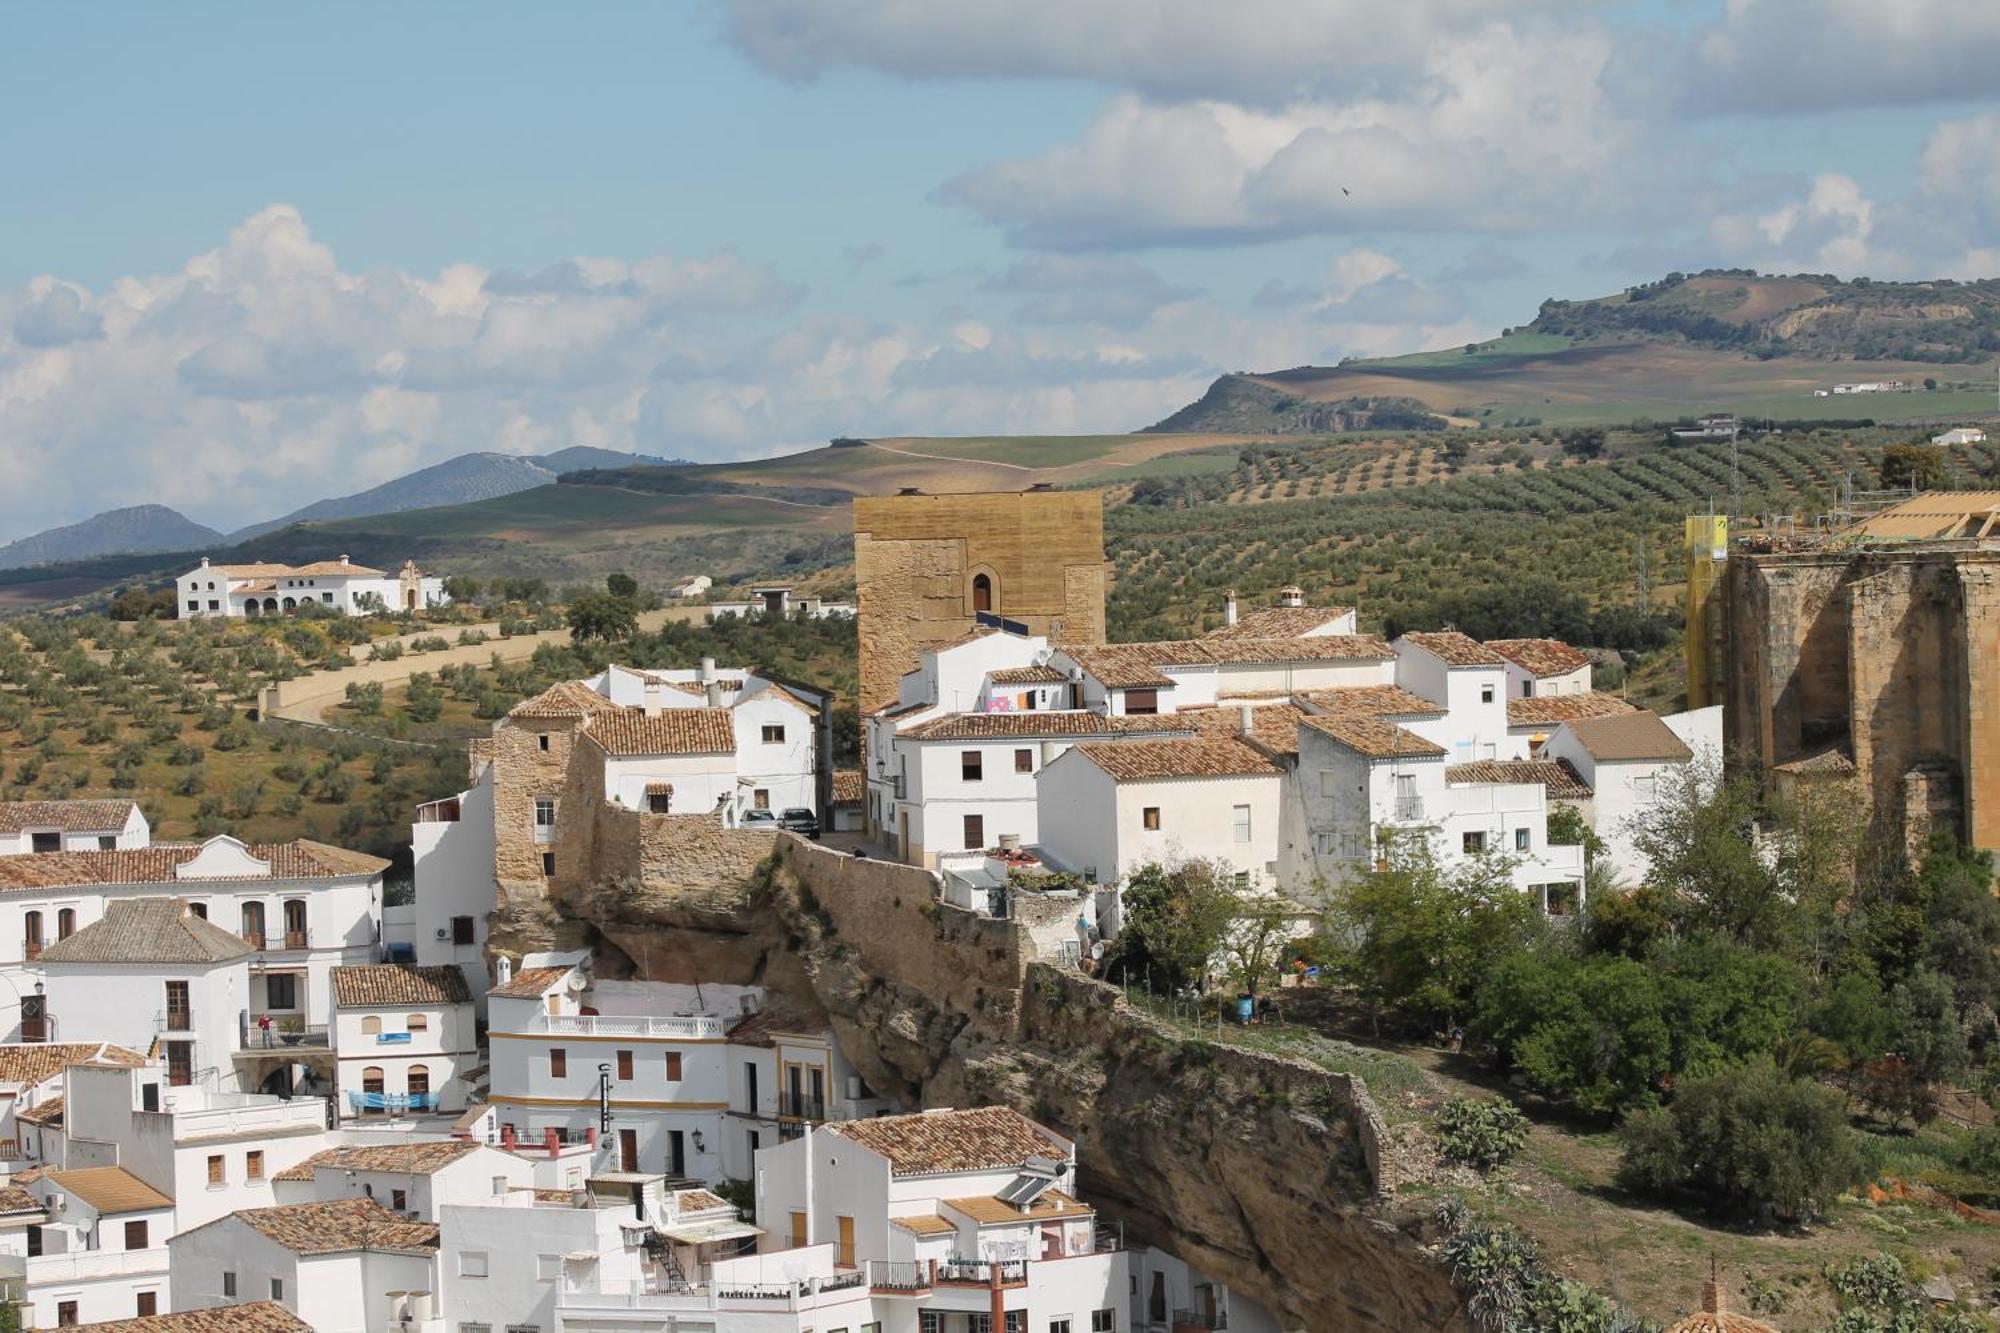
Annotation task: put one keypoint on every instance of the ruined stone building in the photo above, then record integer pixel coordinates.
(1875, 648)
(928, 567)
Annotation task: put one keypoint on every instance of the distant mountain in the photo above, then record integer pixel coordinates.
(1240, 404)
(460, 480)
(142, 528)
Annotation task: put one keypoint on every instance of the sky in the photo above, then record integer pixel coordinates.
(254, 255)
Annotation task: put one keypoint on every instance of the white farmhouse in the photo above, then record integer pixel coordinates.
(1628, 761)
(1960, 435)
(71, 826)
(1539, 668)
(345, 1266)
(694, 585)
(403, 1038)
(103, 1246)
(151, 975)
(270, 589)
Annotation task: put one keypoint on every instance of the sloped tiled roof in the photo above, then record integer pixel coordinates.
(1027, 675)
(1373, 738)
(1550, 709)
(383, 985)
(415, 1159)
(629, 731)
(1373, 701)
(68, 816)
(1318, 648)
(14, 1199)
(331, 1226)
(924, 1224)
(47, 1112)
(985, 1138)
(1624, 737)
(1272, 724)
(530, 983)
(565, 699)
(762, 1028)
(31, 1062)
(110, 1189)
(1279, 622)
(1137, 665)
(1453, 648)
(148, 930)
(1153, 761)
(257, 1317)
(1125, 666)
(1830, 761)
(848, 785)
(1540, 657)
(1557, 775)
(1028, 726)
(298, 859)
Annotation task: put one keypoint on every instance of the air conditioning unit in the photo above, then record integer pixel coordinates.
(57, 1201)
(442, 933)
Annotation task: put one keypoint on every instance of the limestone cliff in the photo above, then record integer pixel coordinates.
(1260, 1170)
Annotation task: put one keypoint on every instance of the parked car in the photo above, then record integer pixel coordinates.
(801, 821)
(765, 821)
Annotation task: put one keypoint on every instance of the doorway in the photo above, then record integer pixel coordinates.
(628, 1150)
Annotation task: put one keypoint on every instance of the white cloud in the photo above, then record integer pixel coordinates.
(1791, 56)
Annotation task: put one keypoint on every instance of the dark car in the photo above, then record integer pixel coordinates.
(801, 821)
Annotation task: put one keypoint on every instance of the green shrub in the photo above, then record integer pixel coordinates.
(1481, 1132)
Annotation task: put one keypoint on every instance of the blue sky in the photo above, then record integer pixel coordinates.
(251, 255)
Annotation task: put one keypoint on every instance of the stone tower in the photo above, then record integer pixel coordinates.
(926, 567)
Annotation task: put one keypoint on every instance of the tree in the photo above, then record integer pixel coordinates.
(1586, 442)
(622, 586)
(1704, 859)
(599, 615)
(461, 588)
(1568, 828)
(1592, 1030)
(1455, 453)
(1753, 1144)
(1255, 941)
(1176, 919)
(1918, 465)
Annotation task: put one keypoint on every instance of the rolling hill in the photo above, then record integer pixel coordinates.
(139, 529)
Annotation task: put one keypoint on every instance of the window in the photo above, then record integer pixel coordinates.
(673, 1066)
(1024, 761)
(660, 802)
(472, 1263)
(625, 1065)
(66, 1314)
(1016, 1321)
(371, 1078)
(277, 1289)
(107, 842)
(417, 1081)
(135, 1235)
(1329, 782)
(229, 1284)
(545, 812)
(198, 909)
(558, 1062)
(1473, 843)
(295, 923)
(1240, 821)
(31, 935)
(45, 842)
(65, 923)
(1527, 689)
(1103, 1321)
(774, 733)
(930, 1321)
(548, 863)
(1058, 1326)
(461, 930)
(543, 740)
(180, 1063)
(253, 1164)
(466, 1326)
(1645, 788)
(982, 592)
(371, 1025)
(975, 832)
(281, 990)
(147, 1303)
(216, 1174)
(760, 799)
(1241, 879)
(418, 1023)
(1150, 817)
(798, 1230)
(1486, 694)
(253, 925)
(972, 765)
(399, 1200)
(1520, 840)
(1142, 702)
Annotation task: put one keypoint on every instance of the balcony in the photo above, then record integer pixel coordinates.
(1200, 1321)
(174, 1022)
(391, 1103)
(899, 1277)
(1408, 809)
(805, 1294)
(200, 1114)
(681, 1027)
(439, 812)
(982, 1273)
(85, 1265)
(797, 1106)
(284, 1033)
(295, 939)
(31, 950)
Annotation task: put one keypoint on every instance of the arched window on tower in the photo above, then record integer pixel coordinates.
(982, 593)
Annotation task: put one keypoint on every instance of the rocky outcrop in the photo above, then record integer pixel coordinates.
(1262, 1171)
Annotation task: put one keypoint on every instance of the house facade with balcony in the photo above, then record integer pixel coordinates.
(31, 827)
(100, 1250)
(346, 1264)
(404, 1038)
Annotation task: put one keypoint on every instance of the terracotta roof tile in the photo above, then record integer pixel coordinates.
(257, 1317)
(1280, 622)
(1550, 709)
(1832, 760)
(530, 983)
(1271, 724)
(629, 731)
(1136, 665)
(299, 859)
(1373, 701)
(565, 699)
(924, 1224)
(29, 1063)
(14, 1199)
(848, 785)
(48, 1112)
(380, 985)
(68, 816)
(1318, 648)
(1453, 648)
(1561, 779)
(1001, 726)
(1373, 738)
(1623, 737)
(1155, 761)
(763, 1027)
(332, 1226)
(416, 1159)
(148, 930)
(699, 1201)
(1027, 675)
(110, 1189)
(985, 1138)
(1540, 657)
(1125, 666)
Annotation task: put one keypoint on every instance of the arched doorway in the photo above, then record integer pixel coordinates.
(291, 605)
(251, 608)
(271, 606)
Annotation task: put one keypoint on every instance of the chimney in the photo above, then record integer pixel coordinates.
(649, 697)
(1291, 595)
(1229, 607)
(909, 490)
(343, 557)
(204, 562)
(713, 694)
(707, 670)
(1246, 719)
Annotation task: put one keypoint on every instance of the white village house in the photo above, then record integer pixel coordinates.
(271, 589)
(27, 827)
(404, 1038)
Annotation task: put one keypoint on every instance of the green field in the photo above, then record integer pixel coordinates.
(1495, 349)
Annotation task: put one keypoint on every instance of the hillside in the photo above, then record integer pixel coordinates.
(460, 480)
(138, 529)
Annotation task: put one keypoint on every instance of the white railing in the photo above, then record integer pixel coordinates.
(681, 1026)
(82, 1265)
(216, 1121)
(804, 1294)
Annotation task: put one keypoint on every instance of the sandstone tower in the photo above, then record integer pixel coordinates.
(927, 567)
